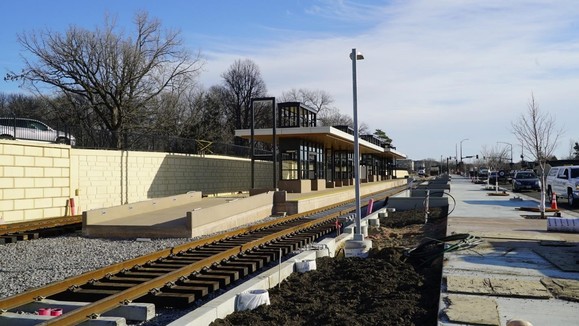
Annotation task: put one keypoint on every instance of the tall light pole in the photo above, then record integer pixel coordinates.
(462, 166)
(357, 247)
(511, 146)
(355, 56)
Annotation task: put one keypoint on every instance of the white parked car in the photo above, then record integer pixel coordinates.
(30, 129)
(564, 182)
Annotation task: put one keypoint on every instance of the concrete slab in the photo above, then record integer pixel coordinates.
(130, 311)
(566, 259)
(195, 218)
(14, 319)
(497, 286)
(472, 310)
(562, 289)
(515, 264)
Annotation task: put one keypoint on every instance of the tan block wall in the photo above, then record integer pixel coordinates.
(35, 180)
(110, 178)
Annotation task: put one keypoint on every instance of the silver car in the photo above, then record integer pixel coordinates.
(30, 129)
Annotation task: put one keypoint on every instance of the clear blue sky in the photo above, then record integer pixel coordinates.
(434, 73)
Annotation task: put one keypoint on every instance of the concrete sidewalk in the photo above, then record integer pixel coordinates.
(519, 270)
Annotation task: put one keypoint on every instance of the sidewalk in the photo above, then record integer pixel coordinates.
(519, 271)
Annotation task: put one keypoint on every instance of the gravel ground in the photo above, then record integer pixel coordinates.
(30, 264)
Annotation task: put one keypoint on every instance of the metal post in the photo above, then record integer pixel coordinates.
(274, 149)
(274, 138)
(461, 164)
(252, 147)
(511, 148)
(358, 231)
(357, 246)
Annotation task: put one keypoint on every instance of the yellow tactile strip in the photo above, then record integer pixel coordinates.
(497, 287)
(471, 310)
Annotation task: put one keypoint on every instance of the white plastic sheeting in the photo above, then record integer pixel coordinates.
(306, 265)
(251, 299)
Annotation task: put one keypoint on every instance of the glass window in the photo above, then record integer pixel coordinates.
(37, 125)
(289, 165)
(21, 123)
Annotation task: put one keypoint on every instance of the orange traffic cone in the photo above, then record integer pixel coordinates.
(554, 201)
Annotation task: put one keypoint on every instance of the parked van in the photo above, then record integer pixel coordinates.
(564, 182)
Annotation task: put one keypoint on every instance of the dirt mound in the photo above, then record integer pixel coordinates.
(388, 288)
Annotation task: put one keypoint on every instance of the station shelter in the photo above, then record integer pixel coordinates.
(312, 157)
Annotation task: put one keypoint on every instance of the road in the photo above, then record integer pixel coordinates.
(562, 204)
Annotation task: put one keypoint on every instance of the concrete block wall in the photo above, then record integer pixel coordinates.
(35, 180)
(110, 178)
(38, 179)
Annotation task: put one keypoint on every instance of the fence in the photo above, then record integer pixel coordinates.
(153, 142)
(30, 129)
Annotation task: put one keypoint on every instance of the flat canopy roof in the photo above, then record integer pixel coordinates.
(330, 137)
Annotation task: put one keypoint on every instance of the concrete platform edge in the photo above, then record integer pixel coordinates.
(224, 305)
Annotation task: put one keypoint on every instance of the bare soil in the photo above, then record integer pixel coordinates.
(390, 287)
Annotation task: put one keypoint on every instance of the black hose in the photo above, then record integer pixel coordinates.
(431, 249)
(444, 193)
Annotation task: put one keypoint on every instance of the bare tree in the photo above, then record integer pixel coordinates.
(496, 157)
(333, 117)
(214, 116)
(539, 135)
(242, 82)
(118, 75)
(317, 99)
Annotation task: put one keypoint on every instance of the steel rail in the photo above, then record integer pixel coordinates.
(17, 227)
(83, 313)
(59, 286)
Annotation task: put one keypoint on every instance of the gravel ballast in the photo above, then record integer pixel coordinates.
(30, 264)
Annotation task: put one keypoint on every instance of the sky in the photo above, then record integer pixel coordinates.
(437, 76)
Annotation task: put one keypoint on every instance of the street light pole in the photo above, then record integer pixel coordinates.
(358, 246)
(358, 232)
(511, 147)
(461, 164)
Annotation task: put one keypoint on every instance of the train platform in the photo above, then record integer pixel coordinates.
(520, 270)
(193, 215)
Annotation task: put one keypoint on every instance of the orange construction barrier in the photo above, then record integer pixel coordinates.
(554, 201)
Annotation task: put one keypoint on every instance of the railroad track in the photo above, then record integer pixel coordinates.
(177, 276)
(29, 230)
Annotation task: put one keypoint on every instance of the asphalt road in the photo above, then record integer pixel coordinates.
(561, 203)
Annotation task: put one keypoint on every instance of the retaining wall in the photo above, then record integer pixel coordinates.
(38, 179)
(35, 180)
(111, 178)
